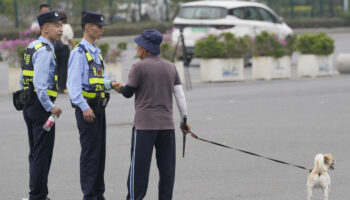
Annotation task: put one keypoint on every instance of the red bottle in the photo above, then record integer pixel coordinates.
(49, 123)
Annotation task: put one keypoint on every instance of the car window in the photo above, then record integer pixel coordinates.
(266, 15)
(237, 12)
(250, 13)
(202, 12)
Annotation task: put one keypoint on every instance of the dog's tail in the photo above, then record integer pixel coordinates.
(319, 163)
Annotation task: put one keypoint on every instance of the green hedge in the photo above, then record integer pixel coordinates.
(319, 44)
(10, 33)
(317, 22)
(118, 29)
(123, 28)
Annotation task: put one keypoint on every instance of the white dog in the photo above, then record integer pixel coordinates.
(319, 177)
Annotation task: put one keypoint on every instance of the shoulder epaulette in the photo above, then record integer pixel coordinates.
(80, 47)
(41, 44)
(48, 48)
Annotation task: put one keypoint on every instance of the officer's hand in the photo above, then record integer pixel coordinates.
(89, 115)
(185, 129)
(56, 111)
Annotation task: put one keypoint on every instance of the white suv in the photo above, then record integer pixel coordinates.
(201, 18)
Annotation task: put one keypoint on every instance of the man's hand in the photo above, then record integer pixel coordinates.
(89, 115)
(117, 86)
(56, 111)
(185, 129)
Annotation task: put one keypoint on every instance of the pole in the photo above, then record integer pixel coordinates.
(111, 11)
(292, 8)
(16, 13)
(330, 5)
(312, 8)
(140, 14)
(346, 5)
(167, 10)
(50, 3)
(84, 5)
(322, 8)
(185, 61)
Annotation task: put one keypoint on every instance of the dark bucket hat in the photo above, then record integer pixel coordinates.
(150, 40)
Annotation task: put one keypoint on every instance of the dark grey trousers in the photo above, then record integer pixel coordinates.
(143, 142)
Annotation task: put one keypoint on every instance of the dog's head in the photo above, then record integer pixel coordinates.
(329, 161)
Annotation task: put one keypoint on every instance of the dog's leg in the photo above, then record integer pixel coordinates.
(309, 192)
(325, 193)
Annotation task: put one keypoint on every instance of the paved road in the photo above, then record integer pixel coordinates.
(292, 120)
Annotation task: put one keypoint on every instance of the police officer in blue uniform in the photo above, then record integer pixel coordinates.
(87, 86)
(38, 79)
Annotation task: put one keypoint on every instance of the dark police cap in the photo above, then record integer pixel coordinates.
(92, 17)
(50, 16)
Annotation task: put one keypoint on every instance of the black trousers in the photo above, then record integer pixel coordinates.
(62, 55)
(143, 142)
(93, 155)
(41, 145)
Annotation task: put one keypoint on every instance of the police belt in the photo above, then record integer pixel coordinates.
(97, 102)
(25, 97)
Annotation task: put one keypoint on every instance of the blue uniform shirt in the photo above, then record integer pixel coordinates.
(78, 73)
(44, 72)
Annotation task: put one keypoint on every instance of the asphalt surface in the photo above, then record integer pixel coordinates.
(291, 120)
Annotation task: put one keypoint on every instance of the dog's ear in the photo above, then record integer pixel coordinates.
(326, 160)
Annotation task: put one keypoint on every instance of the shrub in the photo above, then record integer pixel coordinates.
(319, 44)
(234, 47)
(209, 47)
(266, 44)
(316, 22)
(346, 17)
(77, 41)
(13, 50)
(116, 54)
(122, 45)
(104, 47)
(168, 50)
(291, 44)
(127, 28)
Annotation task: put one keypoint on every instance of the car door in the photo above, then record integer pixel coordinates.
(268, 21)
(251, 20)
(241, 26)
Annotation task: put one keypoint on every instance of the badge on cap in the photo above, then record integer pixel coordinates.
(101, 18)
(56, 14)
